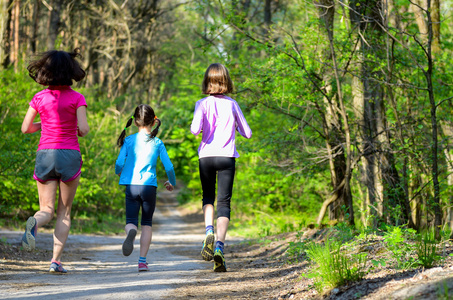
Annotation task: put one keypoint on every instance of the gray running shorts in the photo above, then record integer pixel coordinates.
(57, 164)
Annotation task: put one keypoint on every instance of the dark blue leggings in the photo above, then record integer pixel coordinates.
(223, 168)
(143, 196)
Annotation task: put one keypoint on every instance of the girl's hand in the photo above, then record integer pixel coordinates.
(168, 186)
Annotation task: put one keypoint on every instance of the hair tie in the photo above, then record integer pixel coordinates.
(132, 117)
(155, 117)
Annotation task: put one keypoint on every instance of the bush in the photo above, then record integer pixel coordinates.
(426, 248)
(335, 266)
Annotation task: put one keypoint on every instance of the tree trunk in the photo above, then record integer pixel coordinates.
(5, 32)
(435, 21)
(385, 193)
(15, 34)
(54, 23)
(267, 17)
(447, 133)
(334, 133)
(34, 26)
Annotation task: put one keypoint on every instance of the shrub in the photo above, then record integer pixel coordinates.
(335, 266)
(426, 248)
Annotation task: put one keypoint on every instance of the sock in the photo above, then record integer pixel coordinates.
(55, 261)
(142, 260)
(209, 229)
(219, 245)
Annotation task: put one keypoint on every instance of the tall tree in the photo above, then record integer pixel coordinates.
(54, 22)
(5, 31)
(335, 138)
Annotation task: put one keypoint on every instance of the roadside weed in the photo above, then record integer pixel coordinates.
(334, 266)
(427, 249)
(442, 292)
(400, 249)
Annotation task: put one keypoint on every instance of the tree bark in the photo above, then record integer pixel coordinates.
(335, 137)
(54, 23)
(379, 173)
(5, 32)
(34, 26)
(267, 17)
(435, 21)
(15, 34)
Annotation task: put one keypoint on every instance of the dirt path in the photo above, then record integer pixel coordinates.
(98, 270)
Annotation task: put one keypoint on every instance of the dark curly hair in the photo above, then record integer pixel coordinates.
(56, 68)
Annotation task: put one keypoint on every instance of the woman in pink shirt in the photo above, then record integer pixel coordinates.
(218, 117)
(58, 161)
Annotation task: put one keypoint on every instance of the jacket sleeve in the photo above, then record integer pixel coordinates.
(121, 160)
(197, 122)
(167, 165)
(242, 126)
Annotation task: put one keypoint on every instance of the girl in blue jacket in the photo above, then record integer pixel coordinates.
(136, 166)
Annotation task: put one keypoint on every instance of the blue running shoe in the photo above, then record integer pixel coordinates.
(28, 239)
(208, 247)
(57, 268)
(219, 261)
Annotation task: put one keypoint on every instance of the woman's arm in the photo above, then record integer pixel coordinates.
(27, 125)
(82, 123)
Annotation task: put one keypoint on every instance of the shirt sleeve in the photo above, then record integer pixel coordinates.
(167, 165)
(33, 103)
(242, 126)
(121, 160)
(81, 101)
(197, 122)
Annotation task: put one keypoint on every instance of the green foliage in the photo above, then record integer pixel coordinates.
(334, 265)
(17, 187)
(297, 250)
(282, 82)
(443, 291)
(401, 250)
(426, 248)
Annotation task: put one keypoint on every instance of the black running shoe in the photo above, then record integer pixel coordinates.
(128, 245)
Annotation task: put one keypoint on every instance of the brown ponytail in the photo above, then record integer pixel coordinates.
(155, 130)
(120, 140)
(143, 116)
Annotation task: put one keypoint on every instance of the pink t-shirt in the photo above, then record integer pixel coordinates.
(57, 107)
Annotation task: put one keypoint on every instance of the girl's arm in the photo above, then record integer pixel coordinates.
(82, 123)
(119, 164)
(27, 125)
(197, 122)
(242, 126)
(168, 167)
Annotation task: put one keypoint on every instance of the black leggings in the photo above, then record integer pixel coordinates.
(224, 168)
(140, 196)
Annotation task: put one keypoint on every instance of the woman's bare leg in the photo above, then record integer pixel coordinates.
(63, 223)
(47, 193)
